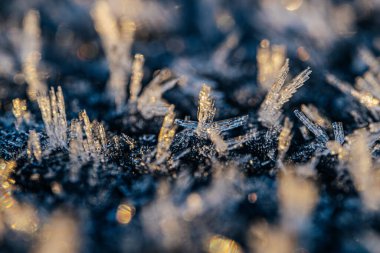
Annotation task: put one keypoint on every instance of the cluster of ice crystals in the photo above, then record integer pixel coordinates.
(271, 109)
(54, 116)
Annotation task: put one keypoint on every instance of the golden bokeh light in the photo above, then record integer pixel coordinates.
(125, 213)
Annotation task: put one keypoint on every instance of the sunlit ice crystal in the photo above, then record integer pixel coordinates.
(54, 116)
(20, 111)
(297, 197)
(166, 135)
(34, 146)
(137, 75)
(117, 37)
(364, 97)
(270, 110)
(284, 139)
(31, 54)
(206, 114)
(270, 59)
(150, 103)
(313, 113)
(365, 176)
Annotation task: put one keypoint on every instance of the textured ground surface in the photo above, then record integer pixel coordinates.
(199, 199)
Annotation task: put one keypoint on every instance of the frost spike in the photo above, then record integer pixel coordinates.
(284, 139)
(312, 113)
(166, 136)
(31, 54)
(338, 132)
(364, 98)
(314, 128)
(34, 146)
(206, 106)
(54, 117)
(137, 75)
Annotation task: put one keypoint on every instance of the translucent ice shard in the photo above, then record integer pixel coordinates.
(31, 54)
(150, 103)
(270, 59)
(338, 132)
(34, 146)
(117, 37)
(284, 139)
(166, 136)
(297, 198)
(366, 177)
(314, 128)
(364, 97)
(137, 75)
(312, 113)
(271, 109)
(20, 111)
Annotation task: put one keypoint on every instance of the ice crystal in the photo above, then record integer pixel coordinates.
(206, 114)
(314, 128)
(364, 97)
(297, 198)
(137, 75)
(117, 38)
(284, 139)
(54, 116)
(312, 113)
(20, 111)
(166, 135)
(34, 146)
(271, 109)
(150, 103)
(366, 178)
(31, 54)
(270, 59)
(338, 132)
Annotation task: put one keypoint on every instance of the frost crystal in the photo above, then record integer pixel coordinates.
(338, 132)
(137, 75)
(151, 103)
(366, 178)
(54, 117)
(206, 108)
(206, 114)
(270, 59)
(284, 139)
(297, 198)
(166, 136)
(314, 128)
(88, 142)
(364, 97)
(20, 111)
(34, 146)
(312, 113)
(31, 54)
(271, 109)
(117, 38)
